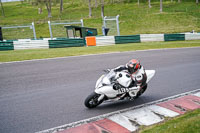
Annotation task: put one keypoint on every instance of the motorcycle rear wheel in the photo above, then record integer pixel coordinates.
(92, 100)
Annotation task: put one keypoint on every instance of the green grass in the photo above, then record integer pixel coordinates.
(19, 55)
(134, 19)
(187, 123)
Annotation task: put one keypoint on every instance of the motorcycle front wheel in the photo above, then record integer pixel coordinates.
(92, 100)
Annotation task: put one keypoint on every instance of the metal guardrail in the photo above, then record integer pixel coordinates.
(32, 26)
(112, 19)
(62, 23)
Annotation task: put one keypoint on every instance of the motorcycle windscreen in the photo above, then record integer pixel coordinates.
(150, 74)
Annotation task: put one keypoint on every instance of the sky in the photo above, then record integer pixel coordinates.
(9, 0)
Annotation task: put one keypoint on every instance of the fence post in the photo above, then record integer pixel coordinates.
(34, 33)
(51, 35)
(117, 21)
(82, 23)
(104, 21)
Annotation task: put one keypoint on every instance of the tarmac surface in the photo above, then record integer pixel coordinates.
(41, 94)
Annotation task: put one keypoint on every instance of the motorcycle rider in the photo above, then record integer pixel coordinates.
(137, 73)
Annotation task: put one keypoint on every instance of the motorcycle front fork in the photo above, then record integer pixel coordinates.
(101, 97)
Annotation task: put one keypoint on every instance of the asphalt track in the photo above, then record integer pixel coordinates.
(41, 94)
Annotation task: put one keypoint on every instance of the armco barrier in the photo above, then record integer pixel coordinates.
(63, 42)
(192, 36)
(127, 39)
(6, 45)
(152, 37)
(174, 37)
(99, 40)
(30, 44)
(105, 40)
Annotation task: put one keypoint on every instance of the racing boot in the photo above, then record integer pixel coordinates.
(133, 92)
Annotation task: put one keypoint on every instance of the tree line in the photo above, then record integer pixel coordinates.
(49, 3)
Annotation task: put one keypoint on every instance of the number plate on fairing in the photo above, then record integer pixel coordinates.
(123, 90)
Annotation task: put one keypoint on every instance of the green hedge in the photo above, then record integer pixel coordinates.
(6, 45)
(62, 42)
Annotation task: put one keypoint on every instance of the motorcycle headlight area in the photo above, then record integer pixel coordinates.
(99, 82)
(106, 81)
(102, 81)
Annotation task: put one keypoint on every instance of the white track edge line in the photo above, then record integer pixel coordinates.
(96, 54)
(75, 124)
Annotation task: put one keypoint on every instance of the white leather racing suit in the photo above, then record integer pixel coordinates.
(139, 79)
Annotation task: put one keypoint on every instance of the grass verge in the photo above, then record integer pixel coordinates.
(20, 55)
(134, 19)
(187, 123)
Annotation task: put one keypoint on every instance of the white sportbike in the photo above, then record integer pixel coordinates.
(113, 86)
